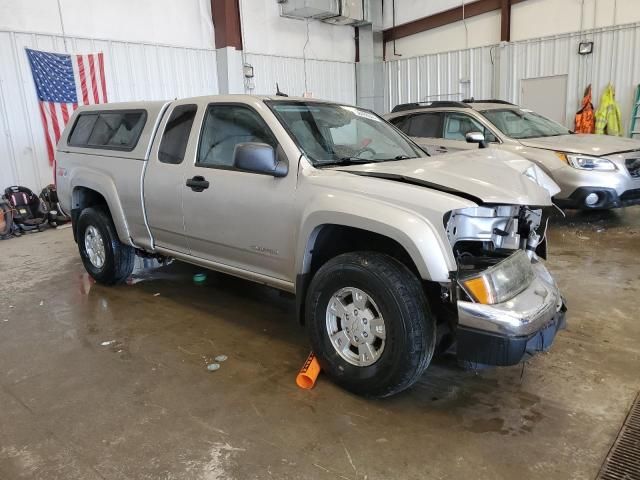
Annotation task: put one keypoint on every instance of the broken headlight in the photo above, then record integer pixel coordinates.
(500, 282)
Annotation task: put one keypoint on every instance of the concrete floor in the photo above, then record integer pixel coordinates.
(100, 382)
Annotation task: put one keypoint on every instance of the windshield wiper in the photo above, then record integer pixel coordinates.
(346, 161)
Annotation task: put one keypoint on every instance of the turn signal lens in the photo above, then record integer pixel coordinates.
(562, 156)
(478, 289)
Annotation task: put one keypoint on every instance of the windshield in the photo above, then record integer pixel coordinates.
(521, 123)
(332, 134)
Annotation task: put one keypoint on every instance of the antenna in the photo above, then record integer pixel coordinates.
(279, 93)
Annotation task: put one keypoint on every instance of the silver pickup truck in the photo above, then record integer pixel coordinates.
(391, 255)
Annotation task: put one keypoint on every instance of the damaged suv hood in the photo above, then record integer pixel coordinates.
(483, 176)
(585, 144)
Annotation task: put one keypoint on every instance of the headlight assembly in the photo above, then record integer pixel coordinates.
(500, 282)
(586, 162)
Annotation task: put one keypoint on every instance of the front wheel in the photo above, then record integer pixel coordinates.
(369, 323)
(106, 259)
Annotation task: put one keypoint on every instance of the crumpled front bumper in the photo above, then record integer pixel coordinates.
(505, 333)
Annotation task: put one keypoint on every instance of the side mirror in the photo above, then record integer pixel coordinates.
(476, 137)
(259, 158)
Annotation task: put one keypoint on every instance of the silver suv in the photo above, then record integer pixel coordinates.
(592, 171)
(391, 255)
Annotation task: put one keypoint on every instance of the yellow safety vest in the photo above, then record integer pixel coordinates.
(608, 118)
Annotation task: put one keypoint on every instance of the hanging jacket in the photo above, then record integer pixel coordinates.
(585, 121)
(608, 117)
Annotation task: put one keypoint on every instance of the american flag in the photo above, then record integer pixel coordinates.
(62, 83)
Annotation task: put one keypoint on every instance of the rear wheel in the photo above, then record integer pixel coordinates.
(106, 259)
(369, 323)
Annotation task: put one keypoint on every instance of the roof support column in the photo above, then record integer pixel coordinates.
(505, 20)
(228, 39)
(370, 84)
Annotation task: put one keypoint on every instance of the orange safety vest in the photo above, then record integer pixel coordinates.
(585, 120)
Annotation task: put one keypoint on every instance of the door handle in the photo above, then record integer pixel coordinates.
(197, 183)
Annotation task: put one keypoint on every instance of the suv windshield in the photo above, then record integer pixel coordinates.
(332, 134)
(520, 124)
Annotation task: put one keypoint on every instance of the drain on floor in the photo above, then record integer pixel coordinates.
(623, 460)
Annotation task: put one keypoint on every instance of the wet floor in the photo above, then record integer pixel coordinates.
(112, 383)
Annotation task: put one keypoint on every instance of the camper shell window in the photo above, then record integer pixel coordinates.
(108, 130)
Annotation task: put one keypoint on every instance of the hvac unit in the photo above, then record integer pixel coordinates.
(339, 12)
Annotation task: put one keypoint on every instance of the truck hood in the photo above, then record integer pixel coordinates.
(482, 176)
(585, 144)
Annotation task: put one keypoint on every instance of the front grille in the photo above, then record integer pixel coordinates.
(623, 460)
(633, 165)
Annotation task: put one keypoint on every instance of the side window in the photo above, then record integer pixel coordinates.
(116, 130)
(400, 122)
(457, 125)
(425, 125)
(176, 134)
(82, 129)
(224, 127)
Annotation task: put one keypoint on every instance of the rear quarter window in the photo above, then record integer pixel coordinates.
(176, 134)
(112, 130)
(425, 125)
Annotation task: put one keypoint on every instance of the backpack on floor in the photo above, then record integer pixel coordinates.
(28, 211)
(49, 197)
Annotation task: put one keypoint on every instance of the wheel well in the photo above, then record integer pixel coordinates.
(333, 240)
(82, 198)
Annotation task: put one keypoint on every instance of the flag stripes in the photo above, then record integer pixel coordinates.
(62, 83)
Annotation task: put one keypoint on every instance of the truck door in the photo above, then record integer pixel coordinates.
(164, 177)
(234, 218)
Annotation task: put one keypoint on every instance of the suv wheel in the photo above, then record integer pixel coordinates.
(106, 259)
(369, 323)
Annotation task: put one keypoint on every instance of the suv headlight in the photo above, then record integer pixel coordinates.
(500, 282)
(586, 162)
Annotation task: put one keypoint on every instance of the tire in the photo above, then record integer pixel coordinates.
(394, 293)
(117, 258)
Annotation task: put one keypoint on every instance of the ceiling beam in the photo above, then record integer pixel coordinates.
(446, 17)
(226, 23)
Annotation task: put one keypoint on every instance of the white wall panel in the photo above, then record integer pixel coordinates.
(477, 31)
(325, 79)
(441, 76)
(265, 32)
(133, 71)
(182, 23)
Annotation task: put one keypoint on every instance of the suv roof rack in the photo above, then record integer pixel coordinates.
(436, 104)
(493, 100)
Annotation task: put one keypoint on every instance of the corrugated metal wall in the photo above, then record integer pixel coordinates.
(496, 71)
(442, 76)
(326, 79)
(133, 71)
(615, 59)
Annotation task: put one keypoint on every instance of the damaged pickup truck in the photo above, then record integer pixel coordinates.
(392, 256)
